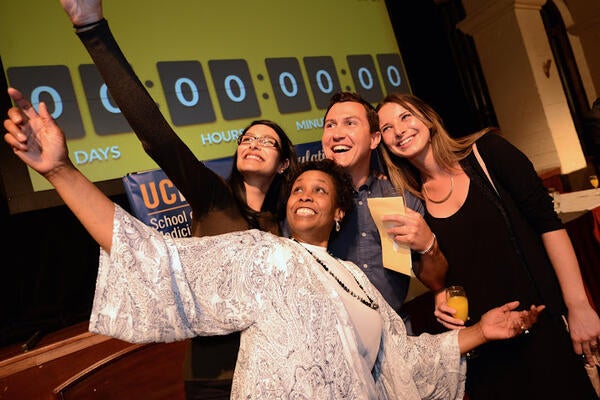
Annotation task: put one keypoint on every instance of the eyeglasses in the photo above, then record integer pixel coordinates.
(263, 141)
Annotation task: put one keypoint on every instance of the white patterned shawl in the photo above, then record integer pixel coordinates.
(297, 341)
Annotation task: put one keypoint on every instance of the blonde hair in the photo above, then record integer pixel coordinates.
(447, 151)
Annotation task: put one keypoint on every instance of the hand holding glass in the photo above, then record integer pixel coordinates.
(594, 181)
(456, 297)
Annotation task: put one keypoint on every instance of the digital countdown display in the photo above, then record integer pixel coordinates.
(212, 67)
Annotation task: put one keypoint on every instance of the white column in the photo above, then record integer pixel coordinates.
(524, 85)
(582, 21)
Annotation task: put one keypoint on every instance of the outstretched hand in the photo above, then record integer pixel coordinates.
(82, 12)
(35, 138)
(503, 322)
(497, 324)
(40, 143)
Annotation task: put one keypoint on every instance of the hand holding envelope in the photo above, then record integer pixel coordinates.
(395, 256)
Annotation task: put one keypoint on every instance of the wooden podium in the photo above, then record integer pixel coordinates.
(76, 364)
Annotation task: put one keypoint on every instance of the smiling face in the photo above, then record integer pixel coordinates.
(347, 137)
(312, 209)
(254, 158)
(403, 133)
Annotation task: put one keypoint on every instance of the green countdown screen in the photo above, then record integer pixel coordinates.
(211, 66)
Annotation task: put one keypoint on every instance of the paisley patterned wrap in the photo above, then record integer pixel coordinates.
(297, 341)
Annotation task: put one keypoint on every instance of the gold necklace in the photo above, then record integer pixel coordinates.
(426, 195)
(370, 303)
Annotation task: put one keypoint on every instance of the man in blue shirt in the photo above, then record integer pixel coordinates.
(350, 135)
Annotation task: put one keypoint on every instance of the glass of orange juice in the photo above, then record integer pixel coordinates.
(594, 181)
(456, 298)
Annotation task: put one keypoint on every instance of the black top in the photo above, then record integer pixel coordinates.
(477, 245)
(214, 208)
(494, 249)
(525, 207)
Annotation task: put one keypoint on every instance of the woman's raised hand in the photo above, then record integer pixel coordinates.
(35, 138)
(82, 12)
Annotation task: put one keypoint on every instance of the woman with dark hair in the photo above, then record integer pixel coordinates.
(312, 326)
(263, 209)
(249, 198)
(497, 228)
(251, 195)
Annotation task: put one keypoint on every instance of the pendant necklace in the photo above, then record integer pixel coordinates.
(426, 195)
(370, 303)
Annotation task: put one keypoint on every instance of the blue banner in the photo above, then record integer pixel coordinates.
(155, 201)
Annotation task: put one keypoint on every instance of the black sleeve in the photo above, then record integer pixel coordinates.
(203, 189)
(514, 172)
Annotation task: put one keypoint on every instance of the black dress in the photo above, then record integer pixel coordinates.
(480, 248)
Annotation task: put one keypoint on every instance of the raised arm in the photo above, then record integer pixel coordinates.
(40, 143)
(143, 115)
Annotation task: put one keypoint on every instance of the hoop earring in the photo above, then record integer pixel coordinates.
(337, 226)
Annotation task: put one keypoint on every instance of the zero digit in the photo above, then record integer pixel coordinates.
(288, 85)
(364, 75)
(392, 71)
(323, 79)
(51, 84)
(186, 92)
(235, 90)
(106, 116)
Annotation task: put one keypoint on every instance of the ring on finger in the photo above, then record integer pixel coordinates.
(524, 330)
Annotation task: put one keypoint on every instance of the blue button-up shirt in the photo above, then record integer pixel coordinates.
(358, 241)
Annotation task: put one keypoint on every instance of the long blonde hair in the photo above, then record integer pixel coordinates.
(447, 151)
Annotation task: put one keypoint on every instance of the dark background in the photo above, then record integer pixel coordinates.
(49, 261)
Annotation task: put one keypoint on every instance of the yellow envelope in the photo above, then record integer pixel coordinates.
(395, 256)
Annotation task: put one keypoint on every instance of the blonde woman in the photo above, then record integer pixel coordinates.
(496, 225)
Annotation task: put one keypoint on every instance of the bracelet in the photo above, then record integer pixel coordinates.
(77, 27)
(429, 247)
